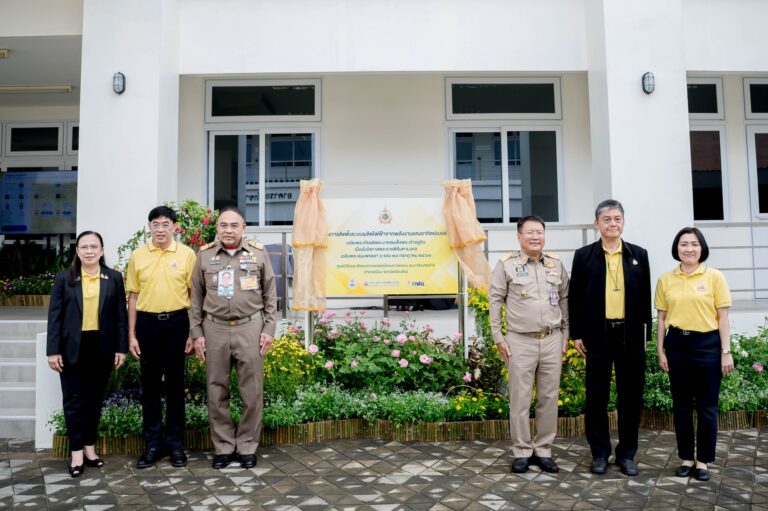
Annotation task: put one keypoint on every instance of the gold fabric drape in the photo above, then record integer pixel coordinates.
(310, 240)
(465, 233)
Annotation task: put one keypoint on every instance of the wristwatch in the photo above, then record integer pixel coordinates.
(726, 352)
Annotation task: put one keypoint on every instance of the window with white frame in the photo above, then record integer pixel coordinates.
(514, 166)
(258, 166)
(756, 98)
(707, 146)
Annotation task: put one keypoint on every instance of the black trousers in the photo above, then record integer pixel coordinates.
(694, 378)
(162, 362)
(628, 359)
(82, 388)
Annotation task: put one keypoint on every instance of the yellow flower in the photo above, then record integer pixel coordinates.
(559, 402)
(567, 400)
(458, 407)
(474, 399)
(499, 410)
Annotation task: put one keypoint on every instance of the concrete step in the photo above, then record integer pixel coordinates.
(17, 369)
(12, 348)
(22, 329)
(17, 423)
(16, 395)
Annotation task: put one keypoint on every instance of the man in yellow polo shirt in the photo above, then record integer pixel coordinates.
(158, 284)
(610, 319)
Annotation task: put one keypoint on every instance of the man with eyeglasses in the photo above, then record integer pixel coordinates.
(158, 284)
(232, 321)
(533, 286)
(610, 323)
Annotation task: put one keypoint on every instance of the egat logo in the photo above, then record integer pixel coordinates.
(416, 283)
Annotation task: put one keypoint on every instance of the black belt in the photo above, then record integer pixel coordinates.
(163, 316)
(614, 323)
(680, 331)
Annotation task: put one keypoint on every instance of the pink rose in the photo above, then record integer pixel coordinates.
(323, 321)
(411, 338)
(376, 338)
(329, 364)
(395, 353)
(354, 363)
(403, 362)
(347, 320)
(331, 314)
(385, 322)
(401, 339)
(467, 377)
(758, 367)
(429, 328)
(456, 335)
(425, 359)
(313, 349)
(386, 341)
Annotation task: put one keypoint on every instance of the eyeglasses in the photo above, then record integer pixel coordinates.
(226, 226)
(92, 248)
(155, 226)
(531, 234)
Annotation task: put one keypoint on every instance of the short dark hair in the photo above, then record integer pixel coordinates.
(234, 209)
(529, 218)
(699, 236)
(608, 204)
(162, 211)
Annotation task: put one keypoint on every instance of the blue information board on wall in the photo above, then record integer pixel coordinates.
(42, 202)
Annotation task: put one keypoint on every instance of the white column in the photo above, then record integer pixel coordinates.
(129, 142)
(640, 142)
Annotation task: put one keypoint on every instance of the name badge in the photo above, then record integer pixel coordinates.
(554, 298)
(249, 283)
(226, 286)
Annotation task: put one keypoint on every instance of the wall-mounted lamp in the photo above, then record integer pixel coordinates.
(4, 52)
(649, 82)
(118, 83)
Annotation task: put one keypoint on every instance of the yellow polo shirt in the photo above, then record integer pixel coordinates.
(614, 283)
(691, 300)
(161, 278)
(91, 285)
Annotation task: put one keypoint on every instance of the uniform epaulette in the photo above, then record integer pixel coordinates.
(256, 244)
(509, 255)
(551, 255)
(207, 246)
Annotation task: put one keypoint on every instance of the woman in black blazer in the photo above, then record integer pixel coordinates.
(87, 337)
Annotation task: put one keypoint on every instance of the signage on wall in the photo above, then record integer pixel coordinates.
(42, 202)
(389, 246)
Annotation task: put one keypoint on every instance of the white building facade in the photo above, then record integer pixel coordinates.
(539, 102)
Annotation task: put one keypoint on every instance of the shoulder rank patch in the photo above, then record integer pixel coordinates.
(255, 244)
(207, 246)
(509, 255)
(551, 255)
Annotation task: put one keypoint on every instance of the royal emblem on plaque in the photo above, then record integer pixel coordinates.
(385, 217)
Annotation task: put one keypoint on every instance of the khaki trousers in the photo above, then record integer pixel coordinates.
(239, 345)
(530, 360)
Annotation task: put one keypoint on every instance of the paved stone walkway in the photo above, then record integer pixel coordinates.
(383, 475)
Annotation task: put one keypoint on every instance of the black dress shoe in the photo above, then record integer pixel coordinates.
(98, 462)
(247, 460)
(520, 465)
(628, 467)
(701, 474)
(599, 466)
(222, 460)
(75, 471)
(547, 465)
(684, 471)
(150, 457)
(178, 458)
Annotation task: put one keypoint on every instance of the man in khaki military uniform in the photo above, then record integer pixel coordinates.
(534, 287)
(232, 318)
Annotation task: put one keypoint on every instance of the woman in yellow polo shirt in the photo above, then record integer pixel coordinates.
(87, 337)
(694, 347)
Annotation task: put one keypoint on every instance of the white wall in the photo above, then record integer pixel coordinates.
(725, 35)
(242, 36)
(41, 17)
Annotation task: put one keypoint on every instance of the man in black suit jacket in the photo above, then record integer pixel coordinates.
(610, 314)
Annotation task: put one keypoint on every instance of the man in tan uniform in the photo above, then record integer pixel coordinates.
(534, 287)
(232, 319)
